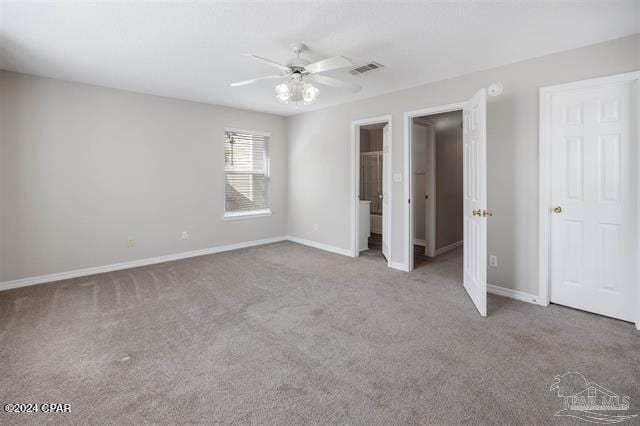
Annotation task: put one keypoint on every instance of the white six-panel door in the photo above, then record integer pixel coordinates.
(386, 190)
(593, 223)
(474, 142)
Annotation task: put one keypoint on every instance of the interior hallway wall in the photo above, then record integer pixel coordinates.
(85, 167)
(370, 140)
(320, 161)
(365, 137)
(375, 140)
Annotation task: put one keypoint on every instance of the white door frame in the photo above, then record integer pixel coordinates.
(544, 177)
(355, 180)
(408, 184)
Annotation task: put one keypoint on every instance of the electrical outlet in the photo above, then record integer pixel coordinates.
(185, 235)
(493, 260)
(397, 177)
(131, 242)
(315, 226)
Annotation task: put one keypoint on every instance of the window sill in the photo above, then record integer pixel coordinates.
(247, 215)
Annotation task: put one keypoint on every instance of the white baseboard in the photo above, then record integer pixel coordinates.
(514, 294)
(41, 279)
(418, 242)
(449, 247)
(24, 282)
(337, 250)
(325, 247)
(399, 266)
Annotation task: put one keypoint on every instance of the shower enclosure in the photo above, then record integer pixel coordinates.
(371, 186)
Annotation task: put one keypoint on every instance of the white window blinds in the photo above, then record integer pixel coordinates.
(246, 167)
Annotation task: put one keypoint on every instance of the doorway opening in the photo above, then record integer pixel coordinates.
(474, 194)
(371, 186)
(437, 182)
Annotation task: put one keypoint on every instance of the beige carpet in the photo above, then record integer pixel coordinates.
(286, 334)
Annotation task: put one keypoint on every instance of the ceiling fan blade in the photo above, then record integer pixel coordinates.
(245, 82)
(328, 64)
(280, 66)
(334, 82)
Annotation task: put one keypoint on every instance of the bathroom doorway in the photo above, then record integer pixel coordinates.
(372, 187)
(371, 184)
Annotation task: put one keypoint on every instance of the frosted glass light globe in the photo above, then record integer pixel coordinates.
(283, 93)
(309, 93)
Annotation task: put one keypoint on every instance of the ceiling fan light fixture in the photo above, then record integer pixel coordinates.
(296, 91)
(300, 75)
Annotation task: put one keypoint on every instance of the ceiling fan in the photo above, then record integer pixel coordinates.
(300, 75)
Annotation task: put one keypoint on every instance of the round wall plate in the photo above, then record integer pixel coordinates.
(495, 89)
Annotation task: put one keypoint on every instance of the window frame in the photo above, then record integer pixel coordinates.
(230, 215)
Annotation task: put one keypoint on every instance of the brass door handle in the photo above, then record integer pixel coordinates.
(557, 209)
(486, 213)
(477, 212)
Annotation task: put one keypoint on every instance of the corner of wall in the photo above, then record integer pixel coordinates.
(287, 124)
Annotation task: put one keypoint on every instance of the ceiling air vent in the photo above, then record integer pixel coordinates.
(365, 68)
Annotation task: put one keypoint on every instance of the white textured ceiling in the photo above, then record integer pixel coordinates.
(193, 50)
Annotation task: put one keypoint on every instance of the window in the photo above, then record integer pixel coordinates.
(246, 174)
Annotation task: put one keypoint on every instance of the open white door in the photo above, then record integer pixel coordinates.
(475, 199)
(386, 190)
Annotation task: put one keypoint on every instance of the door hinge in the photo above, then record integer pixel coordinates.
(409, 201)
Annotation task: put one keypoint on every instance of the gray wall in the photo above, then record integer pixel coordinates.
(319, 160)
(85, 167)
(448, 179)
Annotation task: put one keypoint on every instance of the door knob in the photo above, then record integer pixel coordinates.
(486, 213)
(557, 209)
(477, 212)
